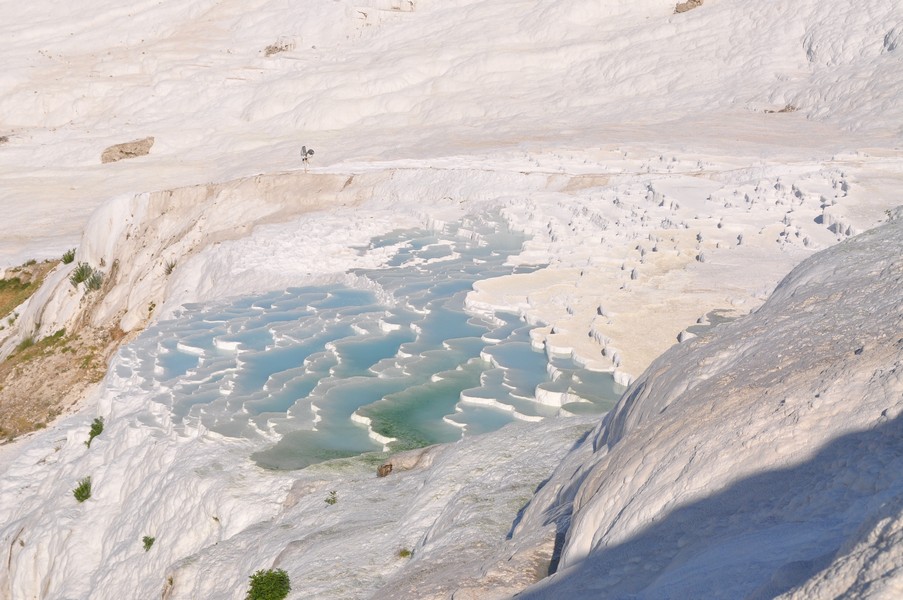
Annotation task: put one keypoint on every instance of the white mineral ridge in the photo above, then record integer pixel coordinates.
(647, 155)
(762, 459)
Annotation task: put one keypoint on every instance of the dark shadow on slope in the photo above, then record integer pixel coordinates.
(758, 538)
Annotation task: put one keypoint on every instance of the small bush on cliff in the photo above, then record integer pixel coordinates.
(270, 584)
(81, 273)
(148, 541)
(85, 273)
(96, 430)
(68, 256)
(94, 281)
(83, 491)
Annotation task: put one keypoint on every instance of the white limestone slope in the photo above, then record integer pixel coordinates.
(763, 458)
(651, 130)
(641, 151)
(216, 517)
(361, 82)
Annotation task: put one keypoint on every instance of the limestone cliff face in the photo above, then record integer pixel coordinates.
(760, 459)
(137, 240)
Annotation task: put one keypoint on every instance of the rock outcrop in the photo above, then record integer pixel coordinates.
(125, 150)
(685, 6)
(405, 461)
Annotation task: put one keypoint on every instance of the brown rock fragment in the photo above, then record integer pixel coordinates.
(127, 150)
(688, 5)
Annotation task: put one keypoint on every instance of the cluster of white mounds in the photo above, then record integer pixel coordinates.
(636, 259)
(757, 457)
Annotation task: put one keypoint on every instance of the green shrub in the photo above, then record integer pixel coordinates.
(148, 541)
(91, 277)
(81, 273)
(332, 498)
(169, 266)
(96, 430)
(68, 256)
(83, 491)
(270, 584)
(94, 281)
(405, 553)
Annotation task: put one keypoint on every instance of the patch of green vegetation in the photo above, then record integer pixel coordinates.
(148, 541)
(22, 283)
(87, 361)
(405, 553)
(96, 430)
(83, 491)
(29, 348)
(269, 584)
(94, 282)
(25, 344)
(80, 273)
(13, 292)
(85, 273)
(332, 498)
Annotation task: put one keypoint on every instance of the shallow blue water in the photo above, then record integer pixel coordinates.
(298, 363)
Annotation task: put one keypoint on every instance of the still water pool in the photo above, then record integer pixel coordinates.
(389, 358)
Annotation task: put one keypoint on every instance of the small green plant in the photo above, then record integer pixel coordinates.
(169, 266)
(332, 498)
(94, 282)
(148, 541)
(84, 273)
(83, 491)
(269, 584)
(25, 344)
(96, 430)
(405, 553)
(81, 273)
(68, 256)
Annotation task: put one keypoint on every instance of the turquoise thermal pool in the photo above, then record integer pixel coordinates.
(390, 357)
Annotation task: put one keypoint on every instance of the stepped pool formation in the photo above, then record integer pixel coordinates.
(387, 360)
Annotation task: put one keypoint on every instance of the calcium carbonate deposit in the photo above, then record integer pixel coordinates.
(515, 211)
